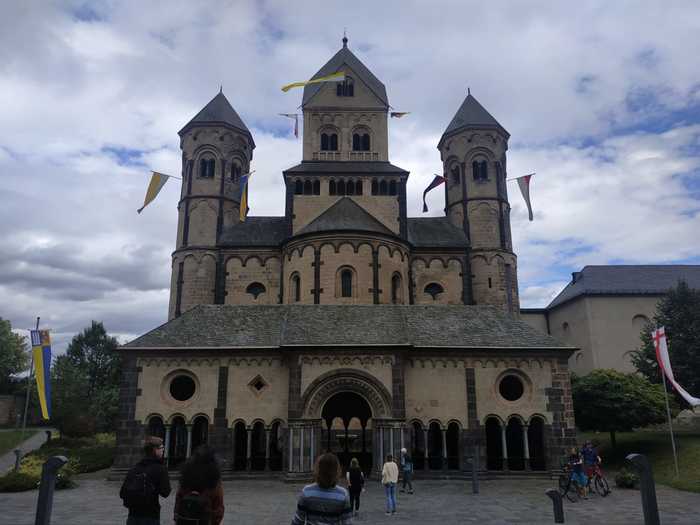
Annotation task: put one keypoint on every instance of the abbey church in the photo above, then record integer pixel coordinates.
(344, 324)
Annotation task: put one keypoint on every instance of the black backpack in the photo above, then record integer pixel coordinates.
(193, 509)
(139, 491)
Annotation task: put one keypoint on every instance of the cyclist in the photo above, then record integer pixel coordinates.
(577, 475)
(590, 460)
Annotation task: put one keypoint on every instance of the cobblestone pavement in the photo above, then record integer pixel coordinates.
(258, 502)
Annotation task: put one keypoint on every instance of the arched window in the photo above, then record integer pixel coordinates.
(206, 168)
(392, 187)
(295, 291)
(331, 188)
(365, 142)
(383, 190)
(455, 174)
(298, 187)
(317, 187)
(346, 283)
(255, 289)
(345, 88)
(350, 188)
(434, 289)
(324, 142)
(356, 142)
(333, 146)
(235, 172)
(308, 188)
(375, 187)
(396, 289)
(480, 170)
(341, 187)
(358, 187)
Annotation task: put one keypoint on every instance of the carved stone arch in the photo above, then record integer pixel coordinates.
(517, 417)
(538, 415)
(250, 258)
(150, 416)
(268, 258)
(497, 257)
(386, 247)
(173, 416)
(458, 260)
(203, 149)
(494, 416)
(199, 414)
(346, 380)
(439, 259)
(231, 258)
(257, 420)
(479, 151)
(332, 244)
(307, 246)
(421, 259)
(434, 420)
(415, 420)
(363, 243)
(207, 254)
(456, 422)
(238, 420)
(482, 257)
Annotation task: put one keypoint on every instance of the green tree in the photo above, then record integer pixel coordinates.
(610, 401)
(14, 356)
(86, 382)
(679, 313)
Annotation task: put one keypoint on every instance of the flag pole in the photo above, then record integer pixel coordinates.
(668, 414)
(26, 399)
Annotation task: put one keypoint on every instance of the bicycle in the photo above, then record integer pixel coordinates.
(597, 480)
(568, 486)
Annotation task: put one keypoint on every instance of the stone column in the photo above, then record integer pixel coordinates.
(391, 441)
(526, 448)
(381, 446)
(302, 455)
(249, 449)
(267, 448)
(291, 447)
(402, 428)
(166, 452)
(427, 457)
(444, 448)
(505, 447)
(312, 446)
(189, 440)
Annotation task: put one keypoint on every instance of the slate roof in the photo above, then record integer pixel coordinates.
(345, 56)
(326, 167)
(218, 111)
(627, 280)
(435, 232)
(256, 231)
(229, 326)
(345, 215)
(472, 114)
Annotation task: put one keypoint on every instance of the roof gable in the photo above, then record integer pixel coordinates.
(435, 232)
(471, 114)
(218, 111)
(345, 214)
(361, 72)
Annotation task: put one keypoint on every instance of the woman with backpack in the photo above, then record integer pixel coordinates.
(356, 482)
(200, 497)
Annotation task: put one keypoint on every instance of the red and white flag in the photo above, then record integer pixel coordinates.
(659, 337)
(295, 116)
(524, 185)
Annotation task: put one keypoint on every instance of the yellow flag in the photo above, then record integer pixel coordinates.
(335, 77)
(158, 180)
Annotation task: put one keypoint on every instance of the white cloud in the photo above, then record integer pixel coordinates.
(576, 92)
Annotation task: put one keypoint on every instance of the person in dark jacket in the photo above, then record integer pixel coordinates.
(155, 476)
(356, 482)
(324, 502)
(200, 477)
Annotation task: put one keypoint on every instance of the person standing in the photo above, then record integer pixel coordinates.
(200, 496)
(406, 471)
(390, 477)
(144, 483)
(324, 502)
(356, 482)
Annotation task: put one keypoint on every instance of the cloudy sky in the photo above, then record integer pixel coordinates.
(602, 100)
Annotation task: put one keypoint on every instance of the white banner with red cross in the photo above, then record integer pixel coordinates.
(659, 338)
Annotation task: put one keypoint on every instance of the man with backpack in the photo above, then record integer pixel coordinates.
(147, 480)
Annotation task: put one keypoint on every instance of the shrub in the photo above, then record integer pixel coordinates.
(626, 479)
(18, 482)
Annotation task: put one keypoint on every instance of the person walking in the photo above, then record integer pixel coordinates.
(390, 477)
(356, 482)
(144, 483)
(200, 496)
(324, 502)
(406, 471)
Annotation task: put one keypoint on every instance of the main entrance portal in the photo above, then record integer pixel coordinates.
(347, 429)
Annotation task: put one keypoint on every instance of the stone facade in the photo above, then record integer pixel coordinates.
(346, 325)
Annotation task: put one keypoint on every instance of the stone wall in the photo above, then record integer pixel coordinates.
(445, 272)
(242, 271)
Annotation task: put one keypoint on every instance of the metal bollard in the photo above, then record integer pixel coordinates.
(48, 436)
(18, 458)
(46, 488)
(646, 486)
(555, 495)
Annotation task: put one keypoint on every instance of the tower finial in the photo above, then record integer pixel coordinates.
(221, 88)
(469, 91)
(345, 37)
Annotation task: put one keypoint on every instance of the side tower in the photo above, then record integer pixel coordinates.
(473, 151)
(217, 149)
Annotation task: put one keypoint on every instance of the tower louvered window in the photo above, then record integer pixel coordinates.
(206, 168)
(329, 142)
(360, 142)
(480, 170)
(345, 88)
(346, 283)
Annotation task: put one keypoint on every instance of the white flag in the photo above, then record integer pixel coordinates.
(659, 337)
(524, 184)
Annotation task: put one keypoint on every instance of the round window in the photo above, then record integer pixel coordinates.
(511, 388)
(182, 388)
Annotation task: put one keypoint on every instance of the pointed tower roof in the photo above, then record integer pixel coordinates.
(345, 215)
(218, 112)
(471, 114)
(345, 56)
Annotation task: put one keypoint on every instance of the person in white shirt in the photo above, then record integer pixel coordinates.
(390, 477)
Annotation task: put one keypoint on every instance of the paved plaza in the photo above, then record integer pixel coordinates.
(258, 502)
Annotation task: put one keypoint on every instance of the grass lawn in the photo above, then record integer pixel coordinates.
(657, 447)
(9, 439)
